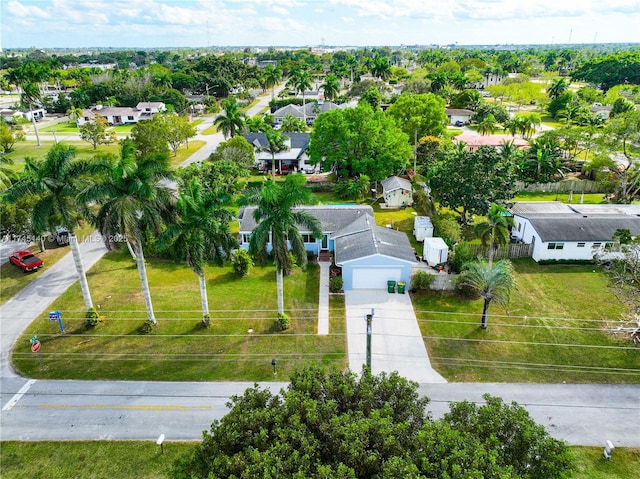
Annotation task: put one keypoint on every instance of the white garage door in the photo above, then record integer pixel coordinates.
(374, 278)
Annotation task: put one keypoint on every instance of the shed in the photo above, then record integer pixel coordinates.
(397, 192)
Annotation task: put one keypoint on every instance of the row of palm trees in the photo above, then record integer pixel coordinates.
(126, 197)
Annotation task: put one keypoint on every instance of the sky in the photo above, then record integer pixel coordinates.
(202, 23)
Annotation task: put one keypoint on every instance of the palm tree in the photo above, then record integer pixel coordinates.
(232, 120)
(381, 68)
(494, 231)
(74, 113)
(278, 221)
(201, 233)
(31, 96)
(331, 87)
(492, 281)
(5, 173)
(291, 124)
(134, 196)
(531, 122)
(300, 80)
(557, 88)
(276, 143)
(56, 182)
(272, 76)
(488, 125)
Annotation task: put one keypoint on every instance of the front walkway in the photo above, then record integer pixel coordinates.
(397, 343)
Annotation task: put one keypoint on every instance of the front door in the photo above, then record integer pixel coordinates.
(325, 242)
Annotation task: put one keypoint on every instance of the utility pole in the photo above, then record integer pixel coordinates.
(415, 150)
(369, 318)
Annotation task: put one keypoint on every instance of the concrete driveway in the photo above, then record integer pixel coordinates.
(397, 343)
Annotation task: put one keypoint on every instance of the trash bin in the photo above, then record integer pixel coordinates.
(401, 286)
(391, 286)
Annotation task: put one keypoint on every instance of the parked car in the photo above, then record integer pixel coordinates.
(61, 236)
(459, 123)
(26, 260)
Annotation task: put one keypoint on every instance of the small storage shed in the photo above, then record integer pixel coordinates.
(397, 192)
(435, 251)
(422, 228)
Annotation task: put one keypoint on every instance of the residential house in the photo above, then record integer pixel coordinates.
(559, 231)
(122, 115)
(397, 192)
(10, 116)
(294, 159)
(458, 116)
(369, 255)
(309, 113)
(474, 142)
(601, 111)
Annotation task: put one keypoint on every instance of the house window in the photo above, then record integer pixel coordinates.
(130, 118)
(245, 237)
(308, 238)
(597, 245)
(555, 246)
(519, 226)
(608, 246)
(580, 245)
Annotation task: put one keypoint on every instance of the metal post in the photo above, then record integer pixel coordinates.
(369, 318)
(273, 363)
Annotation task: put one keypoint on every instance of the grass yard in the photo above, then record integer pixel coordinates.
(550, 332)
(30, 148)
(185, 152)
(589, 198)
(62, 127)
(179, 349)
(211, 130)
(143, 460)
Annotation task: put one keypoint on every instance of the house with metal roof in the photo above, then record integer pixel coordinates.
(369, 255)
(397, 192)
(559, 231)
(122, 115)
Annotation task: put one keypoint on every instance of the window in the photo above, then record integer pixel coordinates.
(580, 245)
(519, 226)
(245, 237)
(308, 238)
(597, 245)
(130, 118)
(555, 246)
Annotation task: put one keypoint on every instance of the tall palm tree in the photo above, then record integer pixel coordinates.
(134, 196)
(74, 113)
(276, 143)
(331, 87)
(272, 76)
(201, 233)
(488, 125)
(56, 182)
(31, 96)
(381, 68)
(300, 81)
(278, 221)
(5, 173)
(494, 231)
(557, 88)
(233, 120)
(492, 281)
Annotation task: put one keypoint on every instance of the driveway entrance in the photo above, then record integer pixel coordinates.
(396, 342)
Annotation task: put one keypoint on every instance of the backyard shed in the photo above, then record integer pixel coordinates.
(397, 192)
(435, 251)
(422, 228)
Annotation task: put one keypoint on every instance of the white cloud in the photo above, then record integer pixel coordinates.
(25, 11)
(280, 10)
(347, 19)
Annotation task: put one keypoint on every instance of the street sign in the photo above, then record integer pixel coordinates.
(54, 315)
(35, 346)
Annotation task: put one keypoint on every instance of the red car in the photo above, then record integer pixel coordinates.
(26, 260)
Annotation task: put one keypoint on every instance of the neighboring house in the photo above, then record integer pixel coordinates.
(311, 110)
(10, 116)
(558, 231)
(295, 159)
(369, 255)
(474, 142)
(122, 115)
(457, 115)
(397, 192)
(37, 114)
(601, 111)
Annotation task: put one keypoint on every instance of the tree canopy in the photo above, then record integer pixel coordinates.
(424, 114)
(330, 425)
(614, 69)
(358, 141)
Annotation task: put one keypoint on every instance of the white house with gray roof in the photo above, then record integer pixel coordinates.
(560, 231)
(122, 115)
(369, 255)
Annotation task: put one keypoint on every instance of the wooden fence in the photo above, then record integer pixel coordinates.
(575, 186)
(512, 250)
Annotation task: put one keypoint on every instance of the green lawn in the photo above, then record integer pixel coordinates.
(143, 460)
(179, 349)
(589, 198)
(63, 127)
(212, 130)
(185, 152)
(31, 149)
(552, 331)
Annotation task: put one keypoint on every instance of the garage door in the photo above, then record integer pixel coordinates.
(374, 278)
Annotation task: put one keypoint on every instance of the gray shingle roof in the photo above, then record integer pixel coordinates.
(332, 218)
(375, 240)
(298, 140)
(555, 221)
(395, 183)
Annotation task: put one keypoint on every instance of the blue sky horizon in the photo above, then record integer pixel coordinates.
(301, 23)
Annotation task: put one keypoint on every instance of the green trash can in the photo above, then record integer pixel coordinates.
(401, 286)
(391, 286)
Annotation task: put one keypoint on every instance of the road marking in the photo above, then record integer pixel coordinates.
(17, 396)
(117, 406)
